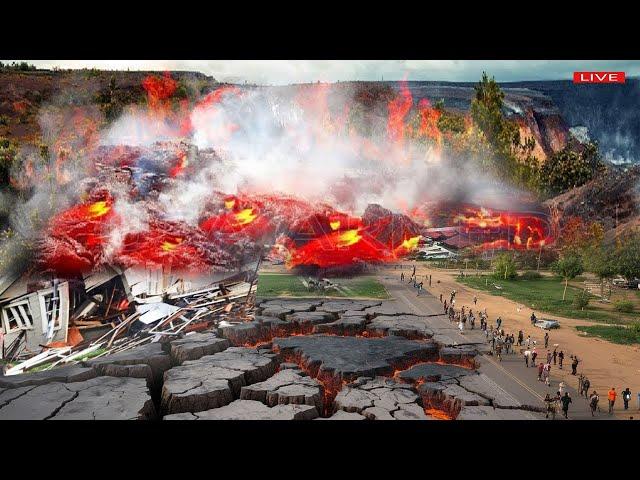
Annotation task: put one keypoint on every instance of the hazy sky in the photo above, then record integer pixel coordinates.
(296, 71)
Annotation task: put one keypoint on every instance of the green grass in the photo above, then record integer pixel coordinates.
(613, 333)
(285, 285)
(545, 295)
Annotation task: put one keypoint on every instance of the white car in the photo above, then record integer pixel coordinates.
(547, 324)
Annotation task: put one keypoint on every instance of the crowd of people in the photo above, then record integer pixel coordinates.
(503, 343)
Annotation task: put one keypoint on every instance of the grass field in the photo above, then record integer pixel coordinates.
(286, 285)
(613, 333)
(545, 295)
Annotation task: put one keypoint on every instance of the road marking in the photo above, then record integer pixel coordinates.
(517, 380)
(490, 360)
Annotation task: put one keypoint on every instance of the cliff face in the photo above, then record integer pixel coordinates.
(535, 113)
(610, 199)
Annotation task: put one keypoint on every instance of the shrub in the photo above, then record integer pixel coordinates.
(624, 306)
(531, 275)
(504, 267)
(581, 300)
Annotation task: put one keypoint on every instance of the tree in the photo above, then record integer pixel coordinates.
(569, 266)
(486, 108)
(601, 260)
(512, 159)
(577, 235)
(627, 255)
(581, 300)
(504, 267)
(569, 169)
(451, 122)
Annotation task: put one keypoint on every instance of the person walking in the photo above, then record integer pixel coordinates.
(527, 354)
(555, 355)
(402, 277)
(540, 370)
(499, 322)
(475, 300)
(440, 296)
(585, 387)
(520, 338)
(549, 356)
(611, 396)
(551, 407)
(566, 400)
(546, 339)
(561, 387)
(499, 351)
(528, 341)
(533, 318)
(580, 380)
(546, 371)
(593, 402)
(534, 355)
(574, 365)
(561, 358)
(626, 397)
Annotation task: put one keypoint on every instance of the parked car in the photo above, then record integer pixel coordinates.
(547, 324)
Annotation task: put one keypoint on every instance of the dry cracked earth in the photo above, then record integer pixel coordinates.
(298, 360)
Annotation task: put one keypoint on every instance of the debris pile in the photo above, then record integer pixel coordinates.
(110, 312)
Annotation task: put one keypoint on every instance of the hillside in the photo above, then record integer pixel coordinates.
(23, 94)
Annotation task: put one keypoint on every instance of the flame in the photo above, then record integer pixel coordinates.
(410, 243)
(245, 216)
(159, 89)
(230, 203)
(168, 246)
(350, 237)
(504, 229)
(335, 225)
(399, 107)
(438, 414)
(98, 209)
(180, 166)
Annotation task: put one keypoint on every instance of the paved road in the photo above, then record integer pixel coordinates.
(511, 374)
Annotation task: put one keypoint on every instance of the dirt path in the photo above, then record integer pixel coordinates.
(606, 364)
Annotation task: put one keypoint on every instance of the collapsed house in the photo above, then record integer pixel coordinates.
(49, 321)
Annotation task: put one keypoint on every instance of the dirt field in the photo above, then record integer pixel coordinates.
(605, 364)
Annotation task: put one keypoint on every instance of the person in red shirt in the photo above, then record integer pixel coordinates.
(612, 399)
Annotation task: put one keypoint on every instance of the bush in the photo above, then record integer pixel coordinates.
(581, 300)
(624, 306)
(531, 275)
(504, 267)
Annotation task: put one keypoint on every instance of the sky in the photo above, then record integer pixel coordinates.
(282, 72)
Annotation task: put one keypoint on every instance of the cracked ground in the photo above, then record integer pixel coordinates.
(298, 360)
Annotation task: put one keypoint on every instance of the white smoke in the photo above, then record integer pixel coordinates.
(270, 144)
